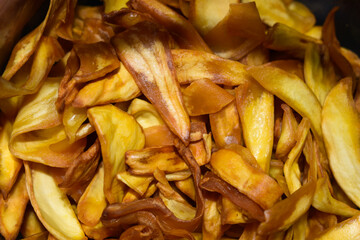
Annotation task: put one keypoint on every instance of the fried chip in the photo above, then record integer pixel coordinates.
(12, 208)
(93, 202)
(146, 44)
(191, 65)
(96, 60)
(256, 109)
(9, 165)
(253, 182)
(37, 133)
(292, 90)
(118, 87)
(147, 160)
(340, 123)
(118, 132)
(197, 101)
(182, 30)
(238, 33)
(51, 204)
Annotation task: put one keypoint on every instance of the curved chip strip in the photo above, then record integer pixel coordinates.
(291, 167)
(118, 132)
(325, 202)
(251, 181)
(29, 78)
(284, 38)
(50, 204)
(182, 30)
(119, 87)
(38, 135)
(276, 171)
(93, 202)
(192, 65)
(13, 208)
(147, 160)
(145, 52)
(31, 224)
(238, 33)
(288, 130)
(213, 183)
(27, 45)
(315, 73)
(212, 227)
(137, 183)
(145, 113)
(9, 165)
(172, 199)
(96, 60)
(340, 123)
(348, 229)
(286, 212)
(256, 109)
(292, 90)
(83, 168)
(187, 187)
(232, 214)
(331, 42)
(72, 119)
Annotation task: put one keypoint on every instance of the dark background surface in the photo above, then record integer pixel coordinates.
(347, 19)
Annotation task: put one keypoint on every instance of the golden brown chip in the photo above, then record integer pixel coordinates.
(197, 100)
(147, 160)
(51, 204)
(38, 134)
(93, 202)
(146, 44)
(118, 132)
(256, 109)
(96, 60)
(118, 87)
(9, 165)
(238, 33)
(182, 30)
(253, 182)
(191, 65)
(292, 90)
(12, 208)
(340, 123)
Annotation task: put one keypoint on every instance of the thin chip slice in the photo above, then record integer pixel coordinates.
(191, 65)
(292, 90)
(50, 204)
(119, 87)
(197, 100)
(340, 123)
(93, 202)
(256, 109)
(253, 182)
(13, 208)
(9, 165)
(145, 52)
(147, 160)
(182, 30)
(118, 132)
